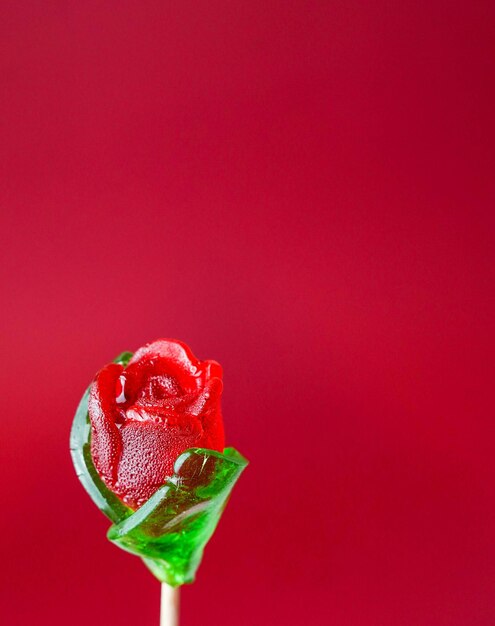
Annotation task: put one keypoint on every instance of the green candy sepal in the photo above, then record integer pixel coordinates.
(169, 531)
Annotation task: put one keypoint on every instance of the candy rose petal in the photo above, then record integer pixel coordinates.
(172, 357)
(106, 441)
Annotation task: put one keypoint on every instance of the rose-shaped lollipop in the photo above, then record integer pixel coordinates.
(142, 417)
(147, 444)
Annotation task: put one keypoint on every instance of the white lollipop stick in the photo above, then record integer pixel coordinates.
(169, 606)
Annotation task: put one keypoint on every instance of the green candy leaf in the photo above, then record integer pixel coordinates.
(171, 529)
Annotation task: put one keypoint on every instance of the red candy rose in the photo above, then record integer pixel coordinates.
(145, 415)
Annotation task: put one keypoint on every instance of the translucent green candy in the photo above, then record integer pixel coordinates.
(171, 529)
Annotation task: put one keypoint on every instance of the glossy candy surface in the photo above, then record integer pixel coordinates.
(171, 527)
(144, 415)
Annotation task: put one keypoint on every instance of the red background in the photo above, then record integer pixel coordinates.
(304, 192)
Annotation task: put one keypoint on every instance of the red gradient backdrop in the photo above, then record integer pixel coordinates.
(304, 192)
